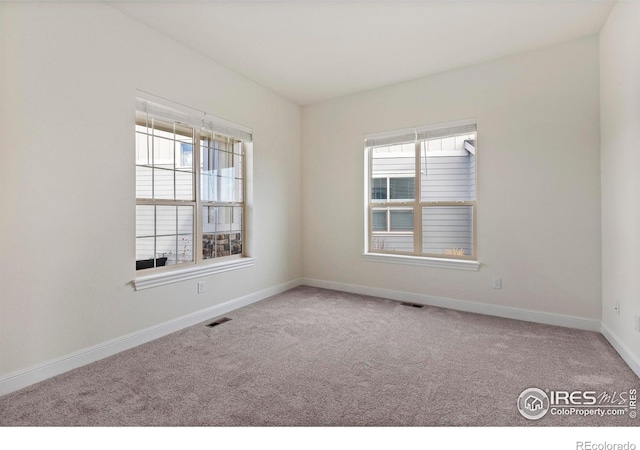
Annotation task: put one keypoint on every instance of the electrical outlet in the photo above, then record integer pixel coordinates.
(200, 287)
(334, 265)
(497, 283)
(637, 327)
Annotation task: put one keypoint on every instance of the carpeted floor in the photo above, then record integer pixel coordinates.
(314, 357)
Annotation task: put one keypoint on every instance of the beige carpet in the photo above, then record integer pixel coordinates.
(317, 357)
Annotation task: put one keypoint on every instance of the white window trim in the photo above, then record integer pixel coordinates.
(169, 110)
(188, 273)
(442, 263)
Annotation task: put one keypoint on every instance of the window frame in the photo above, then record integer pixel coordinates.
(416, 257)
(198, 266)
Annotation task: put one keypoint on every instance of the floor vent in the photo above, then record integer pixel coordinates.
(218, 322)
(414, 305)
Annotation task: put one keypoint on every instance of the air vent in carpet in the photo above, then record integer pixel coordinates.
(415, 305)
(218, 322)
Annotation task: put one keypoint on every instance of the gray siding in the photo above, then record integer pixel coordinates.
(163, 181)
(394, 166)
(472, 177)
(447, 228)
(447, 178)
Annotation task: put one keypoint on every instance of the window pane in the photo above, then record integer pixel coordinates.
(392, 243)
(166, 220)
(184, 185)
(161, 129)
(235, 237)
(401, 220)
(145, 221)
(145, 248)
(402, 188)
(222, 231)
(166, 235)
(208, 219)
(221, 175)
(143, 149)
(393, 160)
(163, 153)
(226, 182)
(208, 186)
(379, 220)
(184, 155)
(236, 219)
(447, 176)
(238, 161)
(224, 159)
(185, 248)
(163, 184)
(144, 177)
(185, 219)
(167, 247)
(447, 230)
(208, 246)
(379, 189)
(164, 148)
(223, 219)
(177, 249)
(238, 191)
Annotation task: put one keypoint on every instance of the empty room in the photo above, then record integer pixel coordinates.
(305, 214)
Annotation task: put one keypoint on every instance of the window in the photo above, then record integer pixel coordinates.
(421, 192)
(392, 188)
(190, 188)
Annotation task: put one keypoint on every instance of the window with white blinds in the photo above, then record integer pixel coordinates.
(190, 186)
(421, 189)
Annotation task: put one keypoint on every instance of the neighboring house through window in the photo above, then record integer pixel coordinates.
(422, 192)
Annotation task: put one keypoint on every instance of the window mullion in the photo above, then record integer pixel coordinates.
(197, 231)
(388, 188)
(417, 210)
(369, 240)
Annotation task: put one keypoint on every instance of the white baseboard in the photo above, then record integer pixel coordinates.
(626, 354)
(580, 323)
(24, 378)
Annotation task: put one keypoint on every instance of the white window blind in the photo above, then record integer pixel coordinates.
(159, 108)
(420, 133)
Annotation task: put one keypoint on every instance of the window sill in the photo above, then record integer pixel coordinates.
(174, 276)
(441, 263)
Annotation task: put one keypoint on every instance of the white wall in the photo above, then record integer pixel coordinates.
(67, 199)
(620, 159)
(538, 180)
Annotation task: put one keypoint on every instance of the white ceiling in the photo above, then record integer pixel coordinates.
(314, 51)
